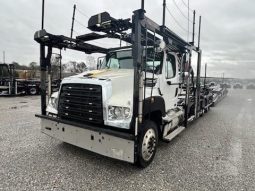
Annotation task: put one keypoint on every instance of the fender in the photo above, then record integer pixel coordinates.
(157, 104)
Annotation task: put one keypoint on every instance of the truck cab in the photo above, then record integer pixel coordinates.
(110, 89)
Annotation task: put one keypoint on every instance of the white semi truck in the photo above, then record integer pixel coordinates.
(140, 94)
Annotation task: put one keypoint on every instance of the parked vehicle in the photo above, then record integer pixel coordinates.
(225, 85)
(211, 84)
(250, 86)
(10, 85)
(218, 94)
(238, 86)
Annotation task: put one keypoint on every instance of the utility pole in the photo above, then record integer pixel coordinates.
(199, 30)
(197, 100)
(4, 57)
(205, 74)
(193, 32)
(74, 9)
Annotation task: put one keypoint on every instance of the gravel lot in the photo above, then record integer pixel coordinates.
(215, 153)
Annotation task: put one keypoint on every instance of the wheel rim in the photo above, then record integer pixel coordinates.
(149, 144)
(32, 91)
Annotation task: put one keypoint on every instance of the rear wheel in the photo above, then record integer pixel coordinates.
(206, 106)
(147, 143)
(33, 91)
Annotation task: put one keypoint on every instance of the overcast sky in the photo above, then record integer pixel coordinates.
(228, 28)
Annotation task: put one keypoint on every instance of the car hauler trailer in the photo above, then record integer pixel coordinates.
(139, 94)
(12, 86)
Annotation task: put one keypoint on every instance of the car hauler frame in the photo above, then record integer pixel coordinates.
(10, 85)
(148, 113)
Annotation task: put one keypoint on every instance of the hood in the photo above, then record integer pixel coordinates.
(122, 85)
(121, 81)
(106, 74)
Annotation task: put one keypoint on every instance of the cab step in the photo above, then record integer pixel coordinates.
(173, 134)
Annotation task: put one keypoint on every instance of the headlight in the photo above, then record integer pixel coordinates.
(118, 113)
(53, 102)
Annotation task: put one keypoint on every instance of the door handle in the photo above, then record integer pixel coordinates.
(170, 83)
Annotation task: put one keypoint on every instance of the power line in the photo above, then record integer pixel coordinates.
(182, 12)
(80, 23)
(176, 21)
(82, 13)
(187, 6)
(75, 32)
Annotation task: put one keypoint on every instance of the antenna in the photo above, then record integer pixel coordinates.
(4, 57)
(74, 9)
(164, 13)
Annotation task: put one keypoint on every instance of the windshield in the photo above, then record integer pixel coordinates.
(123, 60)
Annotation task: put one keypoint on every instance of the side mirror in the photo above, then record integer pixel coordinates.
(169, 83)
(161, 45)
(99, 62)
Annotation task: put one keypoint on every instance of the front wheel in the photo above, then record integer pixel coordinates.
(147, 143)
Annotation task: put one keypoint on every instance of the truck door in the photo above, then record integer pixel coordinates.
(169, 86)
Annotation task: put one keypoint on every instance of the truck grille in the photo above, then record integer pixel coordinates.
(81, 103)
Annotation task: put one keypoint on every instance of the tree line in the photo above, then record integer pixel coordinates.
(71, 67)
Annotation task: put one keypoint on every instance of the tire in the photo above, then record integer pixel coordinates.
(33, 91)
(206, 109)
(147, 143)
(202, 109)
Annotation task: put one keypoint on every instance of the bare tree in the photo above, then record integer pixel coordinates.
(55, 66)
(82, 67)
(33, 67)
(91, 62)
(75, 67)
